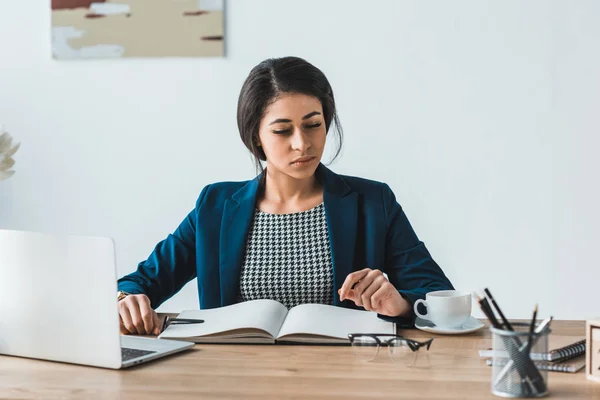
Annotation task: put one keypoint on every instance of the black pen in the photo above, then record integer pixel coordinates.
(187, 320)
(177, 321)
(487, 310)
(504, 320)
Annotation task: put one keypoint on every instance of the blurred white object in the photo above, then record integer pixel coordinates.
(62, 49)
(210, 5)
(110, 8)
(7, 150)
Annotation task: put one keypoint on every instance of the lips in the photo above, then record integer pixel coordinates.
(303, 160)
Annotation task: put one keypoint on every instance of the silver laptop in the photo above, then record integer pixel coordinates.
(58, 302)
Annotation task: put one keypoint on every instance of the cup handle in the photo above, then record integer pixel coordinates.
(423, 316)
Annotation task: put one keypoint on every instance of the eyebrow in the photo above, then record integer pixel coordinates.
(307, 116)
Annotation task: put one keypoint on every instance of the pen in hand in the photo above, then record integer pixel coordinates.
(178, 321)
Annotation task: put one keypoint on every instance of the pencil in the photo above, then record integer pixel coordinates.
(531, 328)
(489, 313)
(504, 320)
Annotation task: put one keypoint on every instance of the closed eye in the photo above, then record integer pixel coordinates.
(289, 130)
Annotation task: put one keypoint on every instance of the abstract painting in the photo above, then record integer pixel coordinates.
(84, 29)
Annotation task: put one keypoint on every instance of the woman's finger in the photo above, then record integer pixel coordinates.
(157, 323)
(126, 317)
(379, 297)
(350, 280)
(136, 315)
(146, 313)
(366, 296)
(122, 329)
(365, 282)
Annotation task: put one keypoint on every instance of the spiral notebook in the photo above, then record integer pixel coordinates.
(572, 365)
(557, 355)
(567, 352)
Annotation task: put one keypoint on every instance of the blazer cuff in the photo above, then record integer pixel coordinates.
(130, 287)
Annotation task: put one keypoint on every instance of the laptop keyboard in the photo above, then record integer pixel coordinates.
(129, 354)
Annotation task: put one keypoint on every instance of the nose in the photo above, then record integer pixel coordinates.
(300, 140)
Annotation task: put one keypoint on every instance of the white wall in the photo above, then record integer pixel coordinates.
(479, 114)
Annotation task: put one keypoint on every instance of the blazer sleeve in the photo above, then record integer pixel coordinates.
(408, 264)
(170, 266)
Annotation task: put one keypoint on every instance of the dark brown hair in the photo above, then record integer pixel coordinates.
(270, 79)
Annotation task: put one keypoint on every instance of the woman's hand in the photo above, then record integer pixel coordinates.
(374, 292)
(137, 316)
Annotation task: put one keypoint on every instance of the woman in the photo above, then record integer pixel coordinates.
(297, 233)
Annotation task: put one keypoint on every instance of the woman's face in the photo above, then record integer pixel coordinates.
(292, 134)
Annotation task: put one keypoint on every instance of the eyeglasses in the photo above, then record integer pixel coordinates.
(178, 321)
(406, 351)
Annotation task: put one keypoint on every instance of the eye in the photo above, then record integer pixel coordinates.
(314, 126)
(282, 131)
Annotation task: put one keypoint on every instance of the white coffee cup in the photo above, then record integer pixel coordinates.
(446, 308)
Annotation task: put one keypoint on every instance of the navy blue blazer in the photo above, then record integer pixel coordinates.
(367, 229)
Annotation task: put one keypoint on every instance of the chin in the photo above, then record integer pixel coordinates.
(302, 173)
(301, 176)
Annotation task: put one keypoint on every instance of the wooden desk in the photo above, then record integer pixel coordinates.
(282, 372)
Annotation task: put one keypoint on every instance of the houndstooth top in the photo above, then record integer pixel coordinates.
(288, 259)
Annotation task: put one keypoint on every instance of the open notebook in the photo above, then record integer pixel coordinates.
(268, 321)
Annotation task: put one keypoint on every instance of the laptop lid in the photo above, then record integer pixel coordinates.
(53, 298)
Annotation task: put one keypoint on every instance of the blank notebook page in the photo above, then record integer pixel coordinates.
(333, 321)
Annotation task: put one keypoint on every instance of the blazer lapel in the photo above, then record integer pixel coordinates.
(235, 224)
(341, 210)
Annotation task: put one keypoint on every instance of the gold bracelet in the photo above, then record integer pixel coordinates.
(121, 295)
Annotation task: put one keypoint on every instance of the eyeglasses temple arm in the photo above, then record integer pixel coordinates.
(428, 343)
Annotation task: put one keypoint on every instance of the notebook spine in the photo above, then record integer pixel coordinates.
(567, 352)
(541, 365)
(556, 367)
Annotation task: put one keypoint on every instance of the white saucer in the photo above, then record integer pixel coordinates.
(471, 325)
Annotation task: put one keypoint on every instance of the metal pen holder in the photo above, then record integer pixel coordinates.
(514, 371)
